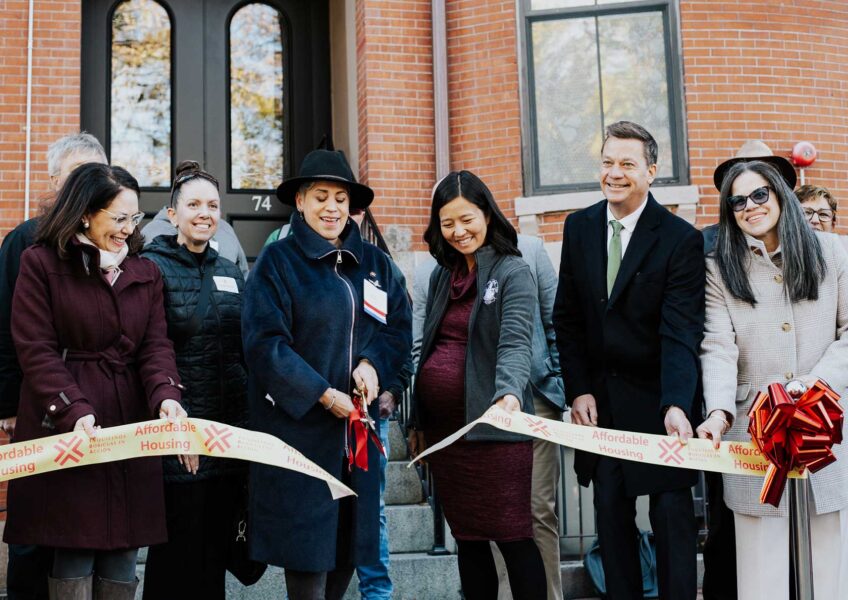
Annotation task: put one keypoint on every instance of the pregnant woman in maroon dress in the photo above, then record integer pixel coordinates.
(475, 353)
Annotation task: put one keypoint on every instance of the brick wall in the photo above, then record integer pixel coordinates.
(55, 95)
(484, 103)
(396, 114)
(771, 71)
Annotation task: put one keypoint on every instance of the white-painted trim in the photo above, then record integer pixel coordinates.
(671, 195)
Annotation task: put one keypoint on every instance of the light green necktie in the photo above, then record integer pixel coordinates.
(614, 255)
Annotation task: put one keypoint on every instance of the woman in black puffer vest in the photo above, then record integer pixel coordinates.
(202, 495)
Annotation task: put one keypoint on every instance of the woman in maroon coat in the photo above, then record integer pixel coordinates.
(89, 327)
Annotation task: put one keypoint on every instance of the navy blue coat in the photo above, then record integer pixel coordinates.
(304, 330)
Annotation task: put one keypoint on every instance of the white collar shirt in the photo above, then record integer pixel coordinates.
(628, 225)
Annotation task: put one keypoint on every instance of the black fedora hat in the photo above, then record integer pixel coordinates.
(757, 150)
(326, 165)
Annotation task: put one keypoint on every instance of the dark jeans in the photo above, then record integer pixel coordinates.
(28, 569)
(193, 563)
(116, 565)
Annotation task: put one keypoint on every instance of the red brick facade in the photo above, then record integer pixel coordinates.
(55, 95)
(774, 72)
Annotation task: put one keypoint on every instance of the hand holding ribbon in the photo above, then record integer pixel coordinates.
(360, 428)
(794, 434)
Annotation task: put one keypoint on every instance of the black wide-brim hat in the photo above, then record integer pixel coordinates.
(784, 167)
(326, 165)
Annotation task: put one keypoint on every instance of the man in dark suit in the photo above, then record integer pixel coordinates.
(629, 319)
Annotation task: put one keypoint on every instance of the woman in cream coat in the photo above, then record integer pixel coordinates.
(777, 310)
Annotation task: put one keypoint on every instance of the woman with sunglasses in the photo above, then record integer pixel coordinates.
(90, 332)
(776, 310)
(203, 301)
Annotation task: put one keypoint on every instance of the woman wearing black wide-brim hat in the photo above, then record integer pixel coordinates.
(323, 316)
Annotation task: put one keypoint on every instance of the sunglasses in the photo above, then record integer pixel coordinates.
(188, 176)
(121, 220)
(759, 196)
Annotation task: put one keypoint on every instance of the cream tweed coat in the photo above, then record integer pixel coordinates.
(746, 348)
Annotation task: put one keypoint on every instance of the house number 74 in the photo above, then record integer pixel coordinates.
(261, 202)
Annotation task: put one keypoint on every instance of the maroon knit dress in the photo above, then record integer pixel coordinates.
(484, 487)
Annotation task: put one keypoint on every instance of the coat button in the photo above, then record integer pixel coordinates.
(52, 408)
(778, 278)
(786, 327)
(789, 375)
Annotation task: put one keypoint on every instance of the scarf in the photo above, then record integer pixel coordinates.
(110, 262)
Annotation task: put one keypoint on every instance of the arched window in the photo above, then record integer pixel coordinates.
(257, 132)
(140, 124)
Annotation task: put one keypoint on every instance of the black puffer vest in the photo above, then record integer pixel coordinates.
(210, 362)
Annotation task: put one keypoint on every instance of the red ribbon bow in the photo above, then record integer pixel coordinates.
(360, 428)
(794, 434)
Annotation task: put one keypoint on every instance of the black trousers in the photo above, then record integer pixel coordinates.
(28, 569)
(720, 546)
(672, 517)
(192, 564)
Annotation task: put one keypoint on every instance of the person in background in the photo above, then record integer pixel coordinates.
(203, 303)
(225, 241)
(629, 318)
(476, 352)
(819, 207)
(719, 582)
(548, 401)
(324, 317)
(776, 310)
(29, 566)
(89, 327)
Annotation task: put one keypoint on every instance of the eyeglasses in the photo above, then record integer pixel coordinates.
(121, 220)
(758, 196)
(825, 214)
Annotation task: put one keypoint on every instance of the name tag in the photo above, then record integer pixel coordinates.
(225, 284)
(375, 301)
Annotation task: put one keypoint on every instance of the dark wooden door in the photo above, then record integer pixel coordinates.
(241, 87)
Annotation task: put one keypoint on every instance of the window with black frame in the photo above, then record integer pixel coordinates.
(591, 63)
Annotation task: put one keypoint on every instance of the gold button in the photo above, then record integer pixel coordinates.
(778, 278)
(52, 407)
(789, 375)
(786, 327)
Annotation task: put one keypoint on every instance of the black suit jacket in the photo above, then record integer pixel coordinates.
(636, 351)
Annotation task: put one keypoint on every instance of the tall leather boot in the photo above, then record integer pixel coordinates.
(106, 589)
(77, 588)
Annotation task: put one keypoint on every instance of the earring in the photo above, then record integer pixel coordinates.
(85, 224)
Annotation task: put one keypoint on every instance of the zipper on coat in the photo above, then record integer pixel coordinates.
(352, 326)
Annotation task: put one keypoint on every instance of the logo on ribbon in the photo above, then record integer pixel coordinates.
(537, 426)
(671, 452)
(68, 451)
(218, 437)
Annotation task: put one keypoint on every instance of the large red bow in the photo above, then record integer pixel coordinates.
(794, 434)
(360, 428)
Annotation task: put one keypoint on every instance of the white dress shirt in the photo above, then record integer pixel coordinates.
(628, 225)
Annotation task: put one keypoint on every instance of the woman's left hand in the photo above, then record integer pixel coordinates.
(191, 462)
(365, 377)
(171, 410)
(509, 403)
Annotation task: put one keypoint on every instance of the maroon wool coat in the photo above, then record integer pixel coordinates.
(119, 366)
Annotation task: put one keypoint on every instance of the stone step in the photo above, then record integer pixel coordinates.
(397, 443)
(410, 528)
(402, 484)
